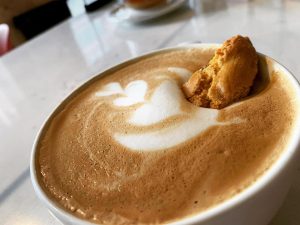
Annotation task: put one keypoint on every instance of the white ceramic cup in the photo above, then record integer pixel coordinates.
(256, 205)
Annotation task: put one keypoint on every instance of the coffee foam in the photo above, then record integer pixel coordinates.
(170, 136)
(166, 101)
(95, 161)
(183, 73)
(133, 93)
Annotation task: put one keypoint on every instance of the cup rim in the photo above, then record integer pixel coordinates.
(203, 216)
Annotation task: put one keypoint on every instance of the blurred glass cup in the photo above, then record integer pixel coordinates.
(142, 4)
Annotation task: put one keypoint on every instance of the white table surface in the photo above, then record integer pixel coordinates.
(35, 77)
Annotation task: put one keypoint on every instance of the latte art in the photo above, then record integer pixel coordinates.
(166, 101)
(134, 92)
(128, 148)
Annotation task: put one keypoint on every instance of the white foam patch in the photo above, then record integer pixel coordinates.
(110, 89)
(134, 93)
(172, 136)
(183, 73)
(164, 102)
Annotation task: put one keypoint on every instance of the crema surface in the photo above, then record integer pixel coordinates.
(128, 148)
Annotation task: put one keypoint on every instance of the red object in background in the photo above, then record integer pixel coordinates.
(5, 43)
(143, 3)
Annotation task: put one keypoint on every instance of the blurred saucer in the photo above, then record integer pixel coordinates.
(124, 13)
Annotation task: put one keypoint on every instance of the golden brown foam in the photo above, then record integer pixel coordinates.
(85, 171)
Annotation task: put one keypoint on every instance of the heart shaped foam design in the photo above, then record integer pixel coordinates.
(110, 89)
(164, 102)
(133, 93)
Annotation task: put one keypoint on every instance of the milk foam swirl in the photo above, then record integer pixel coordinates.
(164, 103)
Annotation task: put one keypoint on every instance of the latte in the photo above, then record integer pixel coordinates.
(128, 148)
